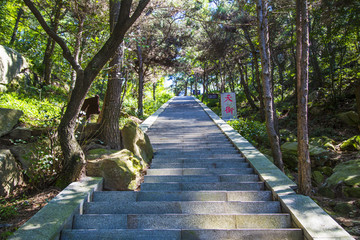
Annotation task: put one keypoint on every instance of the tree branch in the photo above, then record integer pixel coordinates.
(66, 52)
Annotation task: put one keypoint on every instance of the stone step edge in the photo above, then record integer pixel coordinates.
(305, 213)
(58, 213)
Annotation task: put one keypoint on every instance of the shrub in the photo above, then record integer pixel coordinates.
(253, 131)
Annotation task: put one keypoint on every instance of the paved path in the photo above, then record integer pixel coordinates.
(199, 187)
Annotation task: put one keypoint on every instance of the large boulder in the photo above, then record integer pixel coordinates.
(350, 118)
(11, 64)
(289, 150)
(347, 176)
(10, 173)
(121, 170)
(8, 119)
(136, 141)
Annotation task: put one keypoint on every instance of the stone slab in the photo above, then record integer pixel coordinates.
(58, 213)
(178, 207)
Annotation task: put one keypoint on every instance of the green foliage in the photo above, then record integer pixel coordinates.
(162, 95)
(37, 112)
(253, 131)
(7, 210)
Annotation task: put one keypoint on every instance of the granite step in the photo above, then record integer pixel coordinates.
(210, 234)
(199, 171)
(119, 196)
(202, 178)
(181, 221)
(182, 207)
(255, 186)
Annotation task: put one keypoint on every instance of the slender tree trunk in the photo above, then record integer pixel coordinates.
(13, 36)
(50, 46)
(263, 32)
(357, 94)
(154, 91)
(141, 81)
(246, 89)
(79, 37)
(257, 72)
(302, 76)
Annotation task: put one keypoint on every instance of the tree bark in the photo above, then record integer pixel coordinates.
(50, 46)
(110, 114)
(73, 156)
(246, 89)
(302, 76)
(141, 81)
(257, 72)
(357, 94)
(270, 116)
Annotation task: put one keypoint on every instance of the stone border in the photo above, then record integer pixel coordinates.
(59, 212)
(150, 120)
(305, 213)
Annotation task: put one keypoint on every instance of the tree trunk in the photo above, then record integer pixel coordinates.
(302, 76)
(50, 46)
(110, 114)
(72, 153)
(154, 91)
(263, 32)
(13, 36)
(141, 81)
(257, 72)
(246, 89)
(77, 47)
(357, 94)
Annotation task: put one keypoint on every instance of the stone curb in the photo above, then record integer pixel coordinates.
(306, 214)
(58, 213)
(150, 120)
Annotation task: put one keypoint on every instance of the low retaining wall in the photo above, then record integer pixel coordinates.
(59, 212)
(305, 213)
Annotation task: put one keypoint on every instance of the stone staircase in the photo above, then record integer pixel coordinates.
(199, 187)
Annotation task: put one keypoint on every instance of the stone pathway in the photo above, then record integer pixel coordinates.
(198, 187)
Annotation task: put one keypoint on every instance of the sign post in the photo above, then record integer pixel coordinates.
(228, 106)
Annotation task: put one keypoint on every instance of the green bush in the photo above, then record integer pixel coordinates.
(253, 131)
(37, 112)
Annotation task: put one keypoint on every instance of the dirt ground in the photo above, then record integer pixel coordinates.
(16, 210)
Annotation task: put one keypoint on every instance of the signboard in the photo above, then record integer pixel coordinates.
(212, 96)
(228, 106)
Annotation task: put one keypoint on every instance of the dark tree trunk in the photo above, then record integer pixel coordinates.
(302, 76)
(267, 84)
(154, 91)
(357, 94)
(13, 36)
(50, 46)
(246, 89)
(73, 156)
(141, 82)
(110, 114)
(257, 72)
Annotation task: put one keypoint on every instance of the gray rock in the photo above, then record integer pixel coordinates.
(121, 170)
(350, 118)
(11, 64)
(8, 119)
(136, 141)
(21, 133)
(10, 173)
